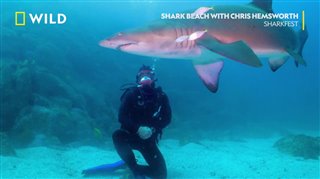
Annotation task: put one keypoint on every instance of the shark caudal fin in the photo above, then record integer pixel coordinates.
(298, 60)
(266, 5)
(297, 53)
(303, 36)
(209, 74)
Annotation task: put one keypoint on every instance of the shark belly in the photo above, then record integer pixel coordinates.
(184, 51)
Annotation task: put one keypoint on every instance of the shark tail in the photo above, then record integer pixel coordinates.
(297, 54)
(303, 36)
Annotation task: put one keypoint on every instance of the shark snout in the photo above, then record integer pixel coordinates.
(108, 44)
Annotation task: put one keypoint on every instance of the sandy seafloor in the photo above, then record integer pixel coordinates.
(251, 158)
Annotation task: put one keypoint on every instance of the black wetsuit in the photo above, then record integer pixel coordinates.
(141, 108)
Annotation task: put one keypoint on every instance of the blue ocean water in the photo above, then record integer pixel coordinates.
(251, 102)
(287, 98)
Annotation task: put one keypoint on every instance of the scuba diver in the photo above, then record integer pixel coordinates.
(143, 113)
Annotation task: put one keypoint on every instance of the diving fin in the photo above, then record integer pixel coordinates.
(103, 169)
(209, 74)
(238, 51)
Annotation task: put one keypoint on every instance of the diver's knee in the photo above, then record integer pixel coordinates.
(161, 173)
(119, 135)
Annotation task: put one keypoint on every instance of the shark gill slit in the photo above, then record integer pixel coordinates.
(184, 43)
(192, 43)
(176, 37)
(181, 33)
(187, 41)
(189, 30)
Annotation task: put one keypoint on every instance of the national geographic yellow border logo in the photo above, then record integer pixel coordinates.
(20, 16)
(39, 18)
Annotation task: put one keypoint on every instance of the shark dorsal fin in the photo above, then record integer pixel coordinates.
(265, 5)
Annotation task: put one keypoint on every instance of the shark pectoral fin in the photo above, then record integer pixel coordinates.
(276, 63)
(238, 51)
(297, 58)
(209, 74)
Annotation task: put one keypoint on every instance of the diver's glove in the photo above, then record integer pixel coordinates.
(144, 132)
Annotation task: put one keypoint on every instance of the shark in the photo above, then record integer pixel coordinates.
(209, 42)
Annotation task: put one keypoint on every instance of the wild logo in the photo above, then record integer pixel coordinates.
(39, 18)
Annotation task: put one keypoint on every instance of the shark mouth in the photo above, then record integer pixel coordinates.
(125, 45)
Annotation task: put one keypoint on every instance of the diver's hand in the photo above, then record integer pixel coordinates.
(144, 132)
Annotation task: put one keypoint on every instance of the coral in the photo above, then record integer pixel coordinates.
(51, 90)
(69, 126)
(37, 102)
(16, 88)
(300, 145)
(63, 124)
(32, 120)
